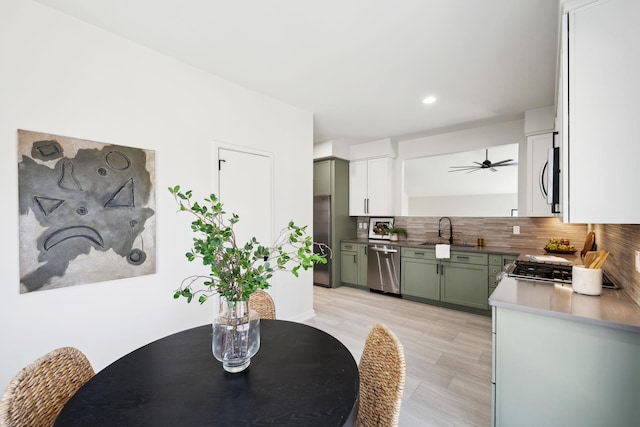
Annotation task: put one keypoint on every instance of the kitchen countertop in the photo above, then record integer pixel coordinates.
(613, 308)
(464, 248)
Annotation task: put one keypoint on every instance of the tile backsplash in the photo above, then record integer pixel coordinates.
(620, 240)
(534, 232)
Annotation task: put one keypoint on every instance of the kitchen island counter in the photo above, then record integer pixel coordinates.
(576, 356)
(613, 309)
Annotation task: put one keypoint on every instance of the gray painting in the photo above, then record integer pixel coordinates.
(87, 211)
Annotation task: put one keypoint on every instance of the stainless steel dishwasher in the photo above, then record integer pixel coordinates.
(383, 268)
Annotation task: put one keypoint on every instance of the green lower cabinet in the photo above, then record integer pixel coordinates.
(349, 267)
(465, 284)
(551, 371)
(363, 262)
(497, 264)
(353, 265)
(460, 280)
(420, 278)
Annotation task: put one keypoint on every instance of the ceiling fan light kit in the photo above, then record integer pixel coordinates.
(486, 164)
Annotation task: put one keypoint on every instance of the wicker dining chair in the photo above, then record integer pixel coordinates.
(382, 373)
(36, 395)
(262, 302)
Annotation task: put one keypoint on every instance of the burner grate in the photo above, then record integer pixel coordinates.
(549, 272)
(560, 273)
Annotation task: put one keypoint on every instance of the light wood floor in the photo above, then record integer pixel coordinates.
(447, 352)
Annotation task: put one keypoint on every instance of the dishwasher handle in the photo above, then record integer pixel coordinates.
(385, 250)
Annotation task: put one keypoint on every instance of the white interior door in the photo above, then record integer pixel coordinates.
(244, 187)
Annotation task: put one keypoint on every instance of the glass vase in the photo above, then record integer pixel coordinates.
(236, 335)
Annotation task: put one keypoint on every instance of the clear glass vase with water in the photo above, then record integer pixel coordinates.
(236, 335)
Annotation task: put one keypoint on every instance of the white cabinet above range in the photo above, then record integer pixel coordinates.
(598, 112)
(371, 187)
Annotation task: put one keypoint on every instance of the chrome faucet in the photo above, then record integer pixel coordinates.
(450, 229)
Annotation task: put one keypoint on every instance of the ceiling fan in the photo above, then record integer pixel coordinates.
(486, 164)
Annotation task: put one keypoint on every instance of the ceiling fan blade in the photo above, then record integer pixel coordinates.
(502, 162)
(464, 168)
(487, 164)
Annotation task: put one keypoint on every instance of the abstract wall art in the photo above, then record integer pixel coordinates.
(87, 211)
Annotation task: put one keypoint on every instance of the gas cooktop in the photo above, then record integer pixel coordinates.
(548, 272)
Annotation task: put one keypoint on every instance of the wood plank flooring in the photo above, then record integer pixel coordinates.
(447, 352)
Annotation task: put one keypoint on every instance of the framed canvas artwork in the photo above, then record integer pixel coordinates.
(87, 211)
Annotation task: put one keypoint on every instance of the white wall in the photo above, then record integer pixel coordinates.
(432, 176)
(482, 205)
(463, 140)
(62, 76)
(458, 141)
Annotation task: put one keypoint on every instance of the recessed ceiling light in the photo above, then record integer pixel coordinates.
(429, 100)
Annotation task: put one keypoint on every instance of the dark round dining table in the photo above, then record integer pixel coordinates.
(301, 376)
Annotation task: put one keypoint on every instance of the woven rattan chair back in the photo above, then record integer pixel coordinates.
(382, 372)
(262, 302)
(36, 395)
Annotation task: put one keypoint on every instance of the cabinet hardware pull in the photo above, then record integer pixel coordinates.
(419, 253)
(462, 257)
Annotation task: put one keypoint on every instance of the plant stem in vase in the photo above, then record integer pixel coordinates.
(236, 335)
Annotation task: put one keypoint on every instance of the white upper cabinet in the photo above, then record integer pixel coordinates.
(371, 187)
(358, 187)
(539, 127)
(599, 113)
(537, 175)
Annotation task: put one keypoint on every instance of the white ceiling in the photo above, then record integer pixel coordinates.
(361, 66)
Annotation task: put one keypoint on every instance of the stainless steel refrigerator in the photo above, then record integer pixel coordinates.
(322, 234)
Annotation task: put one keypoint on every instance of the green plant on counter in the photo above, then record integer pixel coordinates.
(238, 270)
(397, 230)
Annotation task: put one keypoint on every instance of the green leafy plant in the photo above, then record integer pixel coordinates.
(397, 230)
(238, 270)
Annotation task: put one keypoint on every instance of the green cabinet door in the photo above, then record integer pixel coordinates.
(363, 263)
(557, 372)
(349, 267)
(420, 278)
(465, 284)
(508, 259)
(322, 178)
(353, 264)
